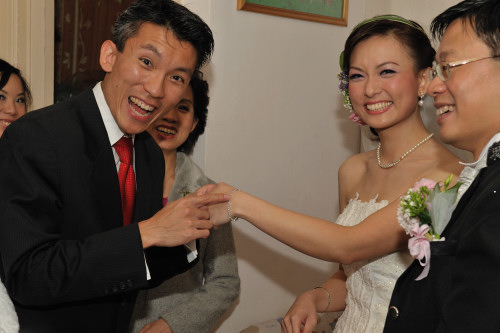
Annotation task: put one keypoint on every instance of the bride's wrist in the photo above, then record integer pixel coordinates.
(231, 211)
(321, 300)
(238, 202)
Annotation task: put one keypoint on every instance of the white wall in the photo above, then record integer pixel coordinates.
(422, 11)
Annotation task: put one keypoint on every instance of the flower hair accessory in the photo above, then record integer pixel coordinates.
(424, 212)
(344, 89)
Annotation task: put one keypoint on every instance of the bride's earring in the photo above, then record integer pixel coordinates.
(421, 99)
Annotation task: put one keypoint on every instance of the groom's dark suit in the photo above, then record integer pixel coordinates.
(67, 262)
(462, 289)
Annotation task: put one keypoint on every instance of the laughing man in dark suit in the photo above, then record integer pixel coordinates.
(67, 261)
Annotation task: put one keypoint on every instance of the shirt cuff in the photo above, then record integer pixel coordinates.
(148, 275)
(192, 252)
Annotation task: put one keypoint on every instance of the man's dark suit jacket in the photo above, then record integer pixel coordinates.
(66, 260)
(462, 291)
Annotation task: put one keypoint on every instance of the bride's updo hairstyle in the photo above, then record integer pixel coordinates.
(409, 33)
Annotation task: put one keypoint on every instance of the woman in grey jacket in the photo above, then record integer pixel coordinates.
(195, 300)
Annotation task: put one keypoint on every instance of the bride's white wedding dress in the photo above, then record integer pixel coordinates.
(8, 317)
(369, 282)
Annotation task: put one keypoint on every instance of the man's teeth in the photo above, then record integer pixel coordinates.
(444, 109)
(5, 122)
(167, 131)
(378, 106)
(142, 105)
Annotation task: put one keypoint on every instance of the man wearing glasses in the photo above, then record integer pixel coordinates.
(461, 292)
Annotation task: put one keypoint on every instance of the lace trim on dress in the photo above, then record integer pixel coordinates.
(371, 201)
(405, 223)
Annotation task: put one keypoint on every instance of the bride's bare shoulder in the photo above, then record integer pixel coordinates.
(355, 165)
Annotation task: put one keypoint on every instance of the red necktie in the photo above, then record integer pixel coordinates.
(126, 176)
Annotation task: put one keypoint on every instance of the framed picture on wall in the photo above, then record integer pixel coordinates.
(324, 11)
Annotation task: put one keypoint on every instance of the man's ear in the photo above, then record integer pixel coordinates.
(108, 55)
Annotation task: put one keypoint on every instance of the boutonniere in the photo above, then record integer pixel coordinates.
(424, 212)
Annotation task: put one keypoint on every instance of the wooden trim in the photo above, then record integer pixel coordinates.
(28, 43)
(243, 5)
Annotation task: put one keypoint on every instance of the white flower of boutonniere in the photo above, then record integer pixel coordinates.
(424, 212)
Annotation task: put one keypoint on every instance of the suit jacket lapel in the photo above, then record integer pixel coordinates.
(463, 203)
(149, 173)
(103, 176)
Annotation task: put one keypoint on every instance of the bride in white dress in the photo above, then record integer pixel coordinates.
(385, 61)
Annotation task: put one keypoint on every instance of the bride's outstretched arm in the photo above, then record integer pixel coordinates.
(377, 235)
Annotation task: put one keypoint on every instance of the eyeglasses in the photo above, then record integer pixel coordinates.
(443, 69)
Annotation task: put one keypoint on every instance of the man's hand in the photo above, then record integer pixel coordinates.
(218, 213)
(205, 189)
(157, 326)
(181, 221)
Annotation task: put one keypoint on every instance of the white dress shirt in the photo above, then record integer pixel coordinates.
(114, 134)
(471, 170)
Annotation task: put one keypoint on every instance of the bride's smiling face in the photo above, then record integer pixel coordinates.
(383, 82)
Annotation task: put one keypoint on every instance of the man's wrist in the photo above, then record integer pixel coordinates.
(147, 237)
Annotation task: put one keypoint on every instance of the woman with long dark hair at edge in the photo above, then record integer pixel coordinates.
(15, 97)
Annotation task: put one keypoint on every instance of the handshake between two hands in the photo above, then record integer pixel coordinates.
(189, 218)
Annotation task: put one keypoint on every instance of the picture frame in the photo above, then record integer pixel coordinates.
(323, 11)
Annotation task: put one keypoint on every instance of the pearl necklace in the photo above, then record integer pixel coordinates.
(390, 165)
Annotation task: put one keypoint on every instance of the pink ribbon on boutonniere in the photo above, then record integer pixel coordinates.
(419, 246)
